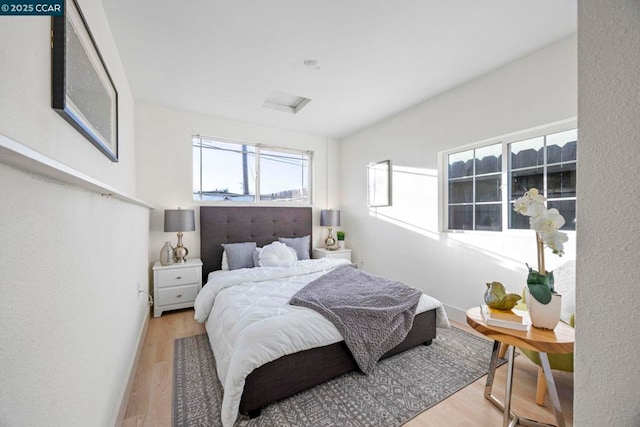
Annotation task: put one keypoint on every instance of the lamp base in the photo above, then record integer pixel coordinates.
(180, 252)
(330, 242)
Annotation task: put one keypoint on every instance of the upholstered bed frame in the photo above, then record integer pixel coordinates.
(299, 371)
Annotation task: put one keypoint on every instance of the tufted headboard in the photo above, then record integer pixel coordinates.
(263, 225)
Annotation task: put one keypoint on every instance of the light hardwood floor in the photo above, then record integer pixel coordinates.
(150, 402)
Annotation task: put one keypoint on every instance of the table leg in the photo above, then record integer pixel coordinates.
(493, 363)
(507, 394)
(551, 387)
(509, 418)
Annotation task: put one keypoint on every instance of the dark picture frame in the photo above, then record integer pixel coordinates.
(82, 90)
(379, 184)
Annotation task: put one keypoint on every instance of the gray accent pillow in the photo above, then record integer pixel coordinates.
(239, 255)
(300, 244)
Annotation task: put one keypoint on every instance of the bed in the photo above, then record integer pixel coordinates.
(273, 380)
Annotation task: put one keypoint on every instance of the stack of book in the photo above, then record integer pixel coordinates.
(512, 319)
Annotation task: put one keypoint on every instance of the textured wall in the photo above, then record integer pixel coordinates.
(404, 241)
(607, 377)
(70, 313)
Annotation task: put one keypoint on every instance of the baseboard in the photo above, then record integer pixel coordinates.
(455, 313)
(132, 372)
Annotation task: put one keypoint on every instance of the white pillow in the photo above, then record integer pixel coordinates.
(256, 257)
(277, 254)
(225, 261)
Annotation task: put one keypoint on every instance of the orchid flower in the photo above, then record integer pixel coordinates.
(545, 222)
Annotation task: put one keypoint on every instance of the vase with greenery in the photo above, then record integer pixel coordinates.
(340, 235)
(546, 223)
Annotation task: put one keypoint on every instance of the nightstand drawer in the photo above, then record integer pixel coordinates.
(177, 295)
(178, 276)
(326, 253)
(341, 254)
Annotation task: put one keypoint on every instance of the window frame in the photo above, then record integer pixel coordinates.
(257, 147)
(505, 140)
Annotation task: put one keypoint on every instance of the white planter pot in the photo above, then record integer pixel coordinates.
(341, 244)
(545, 316)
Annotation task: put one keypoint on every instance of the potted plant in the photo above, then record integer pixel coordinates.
(544, 303)
(340, 235)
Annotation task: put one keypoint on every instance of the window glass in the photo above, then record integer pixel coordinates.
(517, 221)
(488, 189)
(562, 146)
(461, 191)
(489, 217)
(561, 180)
(567, 209)
(461, 217)
(461, 164)
(228, 172)
(489, 159)
(522, 180)
(527, 153)
(284, 177)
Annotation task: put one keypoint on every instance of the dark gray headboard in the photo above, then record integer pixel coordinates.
(263, 225)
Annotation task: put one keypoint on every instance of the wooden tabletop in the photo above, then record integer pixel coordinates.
(560, 340)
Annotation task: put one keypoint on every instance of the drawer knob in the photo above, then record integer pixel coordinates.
(179, 296)
(179, 277)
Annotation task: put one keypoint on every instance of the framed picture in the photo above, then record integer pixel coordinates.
(379, 184)
(82, 90)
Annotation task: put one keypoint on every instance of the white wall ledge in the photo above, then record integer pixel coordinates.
(22, 157)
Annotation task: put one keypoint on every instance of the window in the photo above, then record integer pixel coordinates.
(233, 171)
(379, 186)
(474, 196)
(549, 164)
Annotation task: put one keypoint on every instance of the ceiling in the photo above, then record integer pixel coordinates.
(374, 58)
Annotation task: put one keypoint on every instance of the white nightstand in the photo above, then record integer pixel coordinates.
(176, 285)
(326, 253)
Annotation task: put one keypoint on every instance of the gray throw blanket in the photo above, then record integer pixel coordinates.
(372, 313)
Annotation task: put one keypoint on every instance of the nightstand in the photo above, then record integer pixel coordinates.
(176, 285)
(326, 253)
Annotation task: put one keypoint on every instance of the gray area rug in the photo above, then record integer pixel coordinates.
(399, 388)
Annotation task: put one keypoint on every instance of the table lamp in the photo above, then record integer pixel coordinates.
(179, 220)
(330, 218)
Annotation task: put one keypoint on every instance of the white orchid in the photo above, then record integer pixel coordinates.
(545, 222)
(531, 204)
(555, 241)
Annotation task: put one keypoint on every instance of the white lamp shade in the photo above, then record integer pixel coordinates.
(179, 220)
(330, 218)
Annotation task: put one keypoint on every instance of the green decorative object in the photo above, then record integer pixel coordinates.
(540, 285)
(496, 296)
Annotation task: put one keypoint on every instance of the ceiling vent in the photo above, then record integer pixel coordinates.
(288, 103)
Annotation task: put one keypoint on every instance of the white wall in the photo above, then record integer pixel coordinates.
(607, 377)
(72, 263)
(404, 241)
(165, 165)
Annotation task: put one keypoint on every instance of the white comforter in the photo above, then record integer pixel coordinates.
(250, 323)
